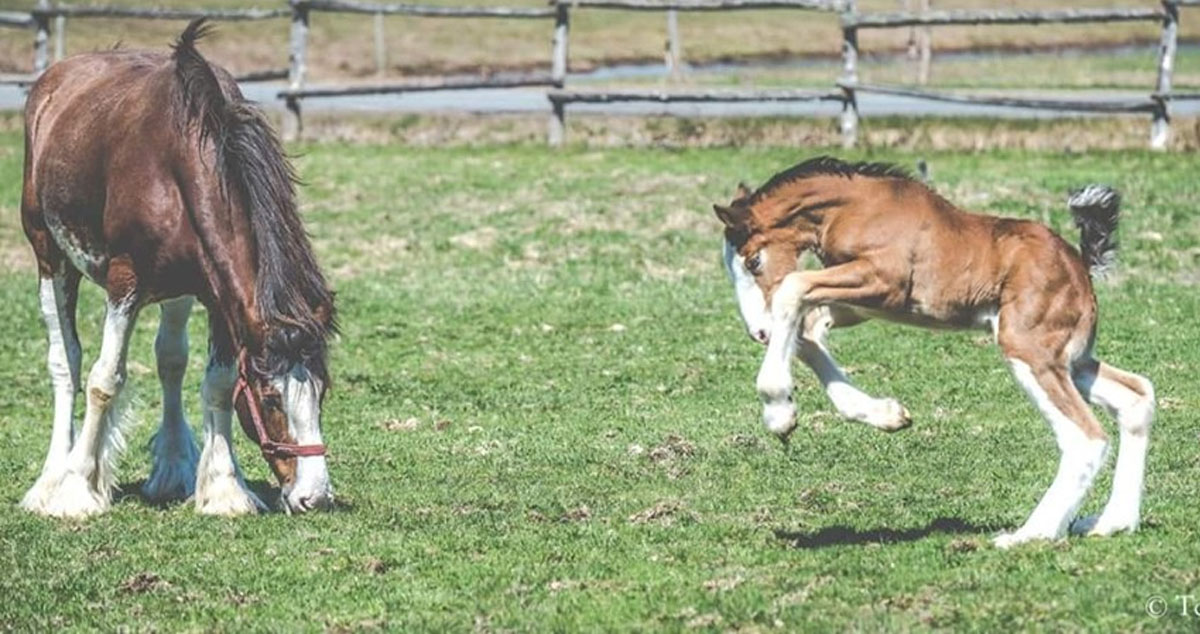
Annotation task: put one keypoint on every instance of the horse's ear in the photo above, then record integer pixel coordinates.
(731, 216)
(742, 192)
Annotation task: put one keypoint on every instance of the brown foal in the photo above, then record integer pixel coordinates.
(894, 249)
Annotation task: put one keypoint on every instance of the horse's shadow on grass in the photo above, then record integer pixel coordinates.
(846, 536)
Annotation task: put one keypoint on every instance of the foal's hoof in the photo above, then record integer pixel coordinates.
(890, 416)
(780, 418)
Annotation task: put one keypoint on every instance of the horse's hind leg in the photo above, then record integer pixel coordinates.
(852, 403)
(173, 449)
(1130, 400)
(58, 290)
(1081, 441)
(220, 488)
(87, 483)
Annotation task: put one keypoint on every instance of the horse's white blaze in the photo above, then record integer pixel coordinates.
(173, 450)
(62, 360)
(301, 394)
(88, 478)
(1134, 413)
(751, 304)
(1081, 459)
(220, 488)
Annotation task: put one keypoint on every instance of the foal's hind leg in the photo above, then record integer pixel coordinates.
(1130, 400)
(220, 488)
(172, 448)
(1080, 440)
(852, 403)
(58, 293)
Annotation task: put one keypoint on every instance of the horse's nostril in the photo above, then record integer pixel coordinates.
(762, 336)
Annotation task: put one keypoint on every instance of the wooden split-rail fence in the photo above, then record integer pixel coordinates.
(845, 90)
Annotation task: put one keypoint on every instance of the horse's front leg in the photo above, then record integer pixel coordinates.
(58, 293)
(795, 296)
(220, 488)
(852, 403)
(89, 477)
(173, 450)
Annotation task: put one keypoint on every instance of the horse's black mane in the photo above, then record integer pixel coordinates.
(290, 289)
(823, 165)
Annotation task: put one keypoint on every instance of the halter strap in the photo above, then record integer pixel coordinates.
(269, 448)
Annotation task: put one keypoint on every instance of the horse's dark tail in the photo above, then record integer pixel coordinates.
(291, 292)
(1096, 209)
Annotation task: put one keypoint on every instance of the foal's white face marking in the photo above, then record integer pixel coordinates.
(751, 303)
(300, 392)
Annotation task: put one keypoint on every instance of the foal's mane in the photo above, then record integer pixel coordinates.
(828, 165)
(291, 293)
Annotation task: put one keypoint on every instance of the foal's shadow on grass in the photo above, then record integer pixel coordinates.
(846, 536)
(265, 490)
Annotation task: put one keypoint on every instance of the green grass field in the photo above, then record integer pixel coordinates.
(587, 454)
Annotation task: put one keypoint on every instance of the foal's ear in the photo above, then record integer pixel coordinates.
(732, 216)
(742, 192)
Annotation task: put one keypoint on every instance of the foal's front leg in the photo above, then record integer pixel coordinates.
(852, 403)
(795, 296)
(173, 450)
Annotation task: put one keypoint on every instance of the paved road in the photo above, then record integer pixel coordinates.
(533, 100)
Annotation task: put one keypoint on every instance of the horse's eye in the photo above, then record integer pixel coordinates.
(754, 264)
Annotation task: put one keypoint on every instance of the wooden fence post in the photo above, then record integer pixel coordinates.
(60, 37)
(924, 49)
(380, 45)
(41, 39)
(558, 73)
(1160, 128)
(293, 125)
(849, 120)
(674, 56)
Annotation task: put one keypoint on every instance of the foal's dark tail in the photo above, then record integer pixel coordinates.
(1096, 209)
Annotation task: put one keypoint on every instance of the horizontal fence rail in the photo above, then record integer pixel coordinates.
(228, 15)
(431, 11)
(703, 5)
(977, 17)
(1147, 104)
(713, 96)
(448, 83)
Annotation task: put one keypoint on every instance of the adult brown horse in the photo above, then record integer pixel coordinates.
(150, 175)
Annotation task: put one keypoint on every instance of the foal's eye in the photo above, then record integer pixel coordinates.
(754, 264)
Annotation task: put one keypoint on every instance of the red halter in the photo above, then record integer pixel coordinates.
(269, 448)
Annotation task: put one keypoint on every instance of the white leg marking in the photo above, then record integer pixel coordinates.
(883, 413)
(220, 488)
(1081, 459)
(301, 393)
(63, 362)
(775, 376)
(1134, 413)
(172, 449)
(88, 479)
(751, 304)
